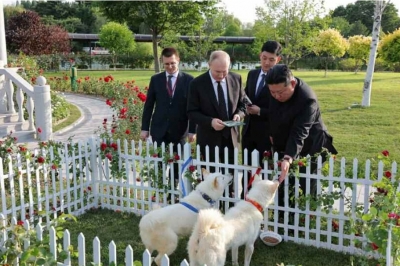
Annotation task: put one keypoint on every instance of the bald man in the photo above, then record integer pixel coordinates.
(214, 97)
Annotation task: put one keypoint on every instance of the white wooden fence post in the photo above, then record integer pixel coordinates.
(43, 116)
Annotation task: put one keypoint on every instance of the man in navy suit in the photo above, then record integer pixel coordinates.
(214, 97)
(164, 111)
(255, 132)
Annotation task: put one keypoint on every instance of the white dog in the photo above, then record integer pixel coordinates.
(159, 229)
(214, 234)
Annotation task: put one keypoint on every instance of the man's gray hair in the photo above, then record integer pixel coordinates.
(219, 54)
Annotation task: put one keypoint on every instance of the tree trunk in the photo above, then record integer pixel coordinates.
(155, 52)
(366, 98)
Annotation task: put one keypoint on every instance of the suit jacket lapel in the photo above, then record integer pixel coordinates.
(254, 88)
(211, 91)
(179, 85)
(229, 83)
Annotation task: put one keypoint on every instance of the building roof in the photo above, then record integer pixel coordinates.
(147, 38)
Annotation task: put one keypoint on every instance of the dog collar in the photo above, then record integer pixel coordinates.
(190, 207)
(208, 199)
(255, 204)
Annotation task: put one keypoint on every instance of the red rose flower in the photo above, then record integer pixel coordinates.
(54, 167)
(374, 246)
(103, 146)
(176, 157)
(109, 156)
(127, 132)
(155, 155)
(388, 174)
(385, 153)
(138, 179)
(267, 154)
(40, 159)
(89, 188)
(20, 222)
(39, 130)
(192, 168)
(300, 163)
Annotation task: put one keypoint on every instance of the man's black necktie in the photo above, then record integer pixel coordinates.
(260, 85)
(222, 109)
(170, 91)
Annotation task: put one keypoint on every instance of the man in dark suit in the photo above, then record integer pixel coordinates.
(296, 126)
(255, 132)
(214, 97)
(168, 92)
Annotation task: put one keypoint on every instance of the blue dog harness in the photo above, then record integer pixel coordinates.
(205, 197)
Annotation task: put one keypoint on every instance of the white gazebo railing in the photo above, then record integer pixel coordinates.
(25, 96)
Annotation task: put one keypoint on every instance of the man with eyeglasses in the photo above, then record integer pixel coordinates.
(296, 126)
(164, 111)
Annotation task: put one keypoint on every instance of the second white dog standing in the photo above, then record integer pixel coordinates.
(214, 234)
(160, 228)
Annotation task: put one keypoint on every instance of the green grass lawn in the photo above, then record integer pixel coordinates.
(358, 132)
(124, 230)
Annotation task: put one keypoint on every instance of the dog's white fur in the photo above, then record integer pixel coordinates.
(160, 228)
(214, 234)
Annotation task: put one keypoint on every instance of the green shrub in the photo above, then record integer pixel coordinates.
(348, 64)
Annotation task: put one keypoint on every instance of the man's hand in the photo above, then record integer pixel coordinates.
(253, 109)
(217, 124)
(144, 135)
(191, 137)
(285, 164)
(236, 117)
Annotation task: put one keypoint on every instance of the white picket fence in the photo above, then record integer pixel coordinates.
(83, 181)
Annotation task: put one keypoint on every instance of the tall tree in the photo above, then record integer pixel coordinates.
(363, 11)
(330, 44)
(359, 49)
(158, 16)
(117, 38)
(378, 12)
(293, 23)
(26, 33)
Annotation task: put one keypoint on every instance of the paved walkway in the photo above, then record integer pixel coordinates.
(93, 111)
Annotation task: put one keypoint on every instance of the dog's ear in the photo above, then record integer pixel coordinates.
(204, 172)
(257, 178)
(216, 182)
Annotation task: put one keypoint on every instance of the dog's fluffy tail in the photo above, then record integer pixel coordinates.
(207, 241)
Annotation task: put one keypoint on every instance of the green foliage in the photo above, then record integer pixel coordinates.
(79, 17)
(38, 252)
(117, 38)
(390, 47)
(330, 44)
(363, 11)
(159, 16)
(347, 64)
(292, 23)
(384, 213)
(359, 49)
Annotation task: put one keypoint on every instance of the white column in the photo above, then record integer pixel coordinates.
(3, 51)
(43, 116)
